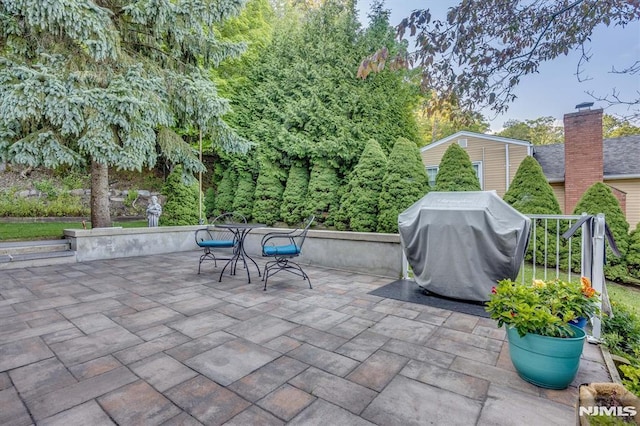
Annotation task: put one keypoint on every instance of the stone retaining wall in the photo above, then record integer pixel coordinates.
(360, 252)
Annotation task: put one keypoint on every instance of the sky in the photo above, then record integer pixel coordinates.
(555, 90)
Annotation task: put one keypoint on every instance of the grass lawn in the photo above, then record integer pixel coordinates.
(49, 230)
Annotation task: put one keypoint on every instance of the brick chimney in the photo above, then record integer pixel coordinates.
(583, 156)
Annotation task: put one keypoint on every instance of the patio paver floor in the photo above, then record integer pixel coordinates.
(148, 341)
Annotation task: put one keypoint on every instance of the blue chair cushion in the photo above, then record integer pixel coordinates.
(217, 243)
(290, 249)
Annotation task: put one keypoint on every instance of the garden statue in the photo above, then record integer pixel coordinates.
(154, 210)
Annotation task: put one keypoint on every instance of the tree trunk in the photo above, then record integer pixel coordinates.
(100, 216)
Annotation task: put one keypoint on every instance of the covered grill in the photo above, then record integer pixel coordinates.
(459, 244)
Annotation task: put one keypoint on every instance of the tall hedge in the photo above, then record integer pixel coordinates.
(294, 198)
(181, 207)
(405, 182)
(359, 205)
(322, 195)
(268, 194)
(245, 190)
(226, 191)
(456, 172)
(600, 199)
(530, 193)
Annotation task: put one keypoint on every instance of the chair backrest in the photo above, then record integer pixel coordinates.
(299, 237)
(225, 234)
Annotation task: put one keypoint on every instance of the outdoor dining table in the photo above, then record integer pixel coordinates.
(240, 230)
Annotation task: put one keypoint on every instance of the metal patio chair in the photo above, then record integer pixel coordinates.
(210, 238)
(282, 247)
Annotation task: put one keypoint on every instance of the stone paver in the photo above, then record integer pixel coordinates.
(207, 401)
(147, 340)
(231, 361)
(498, 409)
(407, 402)
(286, 402)
(89, 413)
(138, 403)
(348, 395)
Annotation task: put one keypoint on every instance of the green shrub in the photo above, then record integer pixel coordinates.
(245, 189)
(268, 194)
(294, 197)
(621, 331)
(405, 182)
(46, 187)
(631, 378)
(633, 253)
(600, 199)
(530, 193)
(210, 203)
(359, 206)
(322, 193)
(181, 207)
(456, 172)
(226, 192)
(63, 205)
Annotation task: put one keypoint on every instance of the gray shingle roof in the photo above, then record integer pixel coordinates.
(621, 157)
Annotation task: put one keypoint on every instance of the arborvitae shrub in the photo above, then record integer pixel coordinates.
(322, 195)
(245, 189)
(181, 207)
(268, 194)
(359, 206)
(210, 203)
(295, 195)
(404, 183)
(530, 193)
(226, 191)
(633, 254)
(456, 172)
(600, 199)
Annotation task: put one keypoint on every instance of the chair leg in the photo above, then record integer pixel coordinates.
(283, 264)
(207, 255)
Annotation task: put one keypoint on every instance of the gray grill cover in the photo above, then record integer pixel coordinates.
(460, 244)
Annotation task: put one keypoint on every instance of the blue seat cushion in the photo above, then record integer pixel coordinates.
(217, 243)
(290, 250)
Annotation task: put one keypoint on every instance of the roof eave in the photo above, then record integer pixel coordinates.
(606, 177)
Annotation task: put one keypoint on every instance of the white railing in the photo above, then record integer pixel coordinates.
(591, 252)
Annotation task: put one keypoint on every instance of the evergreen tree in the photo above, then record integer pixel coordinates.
(530, 193)
(210, 203)
(455, 172)
(108, 81)
(322, 195)
(295, 194)
(360, 203)
(301, 100)
(268, 194)
(226, 191)
(182, 192)
(243, 201)
(404, 183)
(600, 199)
(633, 254)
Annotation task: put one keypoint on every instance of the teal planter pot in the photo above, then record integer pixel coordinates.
(548, 362)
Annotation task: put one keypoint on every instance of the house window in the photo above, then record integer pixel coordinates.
(477, 166)
(432, 172)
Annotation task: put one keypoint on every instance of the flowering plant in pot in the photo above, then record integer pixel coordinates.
(544, 348)
(544, 307)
